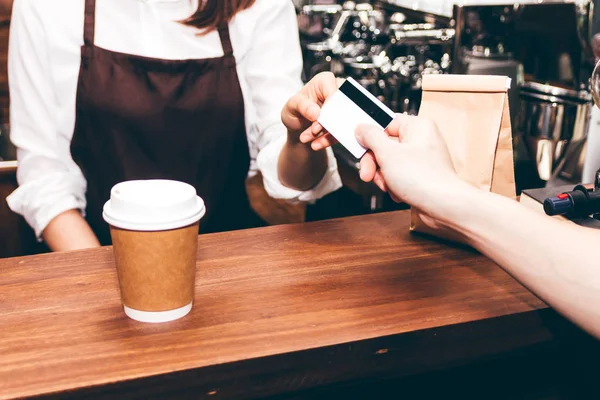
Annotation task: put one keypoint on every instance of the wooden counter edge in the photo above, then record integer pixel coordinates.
(386, 357)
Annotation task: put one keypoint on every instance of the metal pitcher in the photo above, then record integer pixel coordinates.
(553, 122)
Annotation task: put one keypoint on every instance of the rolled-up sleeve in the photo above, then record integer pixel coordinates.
(274, 69)
(49, 181)
(267, 164)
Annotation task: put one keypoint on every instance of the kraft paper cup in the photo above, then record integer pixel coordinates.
(154, 230)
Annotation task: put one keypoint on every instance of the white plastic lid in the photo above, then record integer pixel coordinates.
(153, 205)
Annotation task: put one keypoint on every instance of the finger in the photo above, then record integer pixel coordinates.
(307, 108)
(298, 110)
(395, 198)
(306, 136)
(317, 128)
(323, 142)
(373, 138)
(393, 128)
(324, 85)
(406, 127)
(380, 182)
(368, 167)
(399, 124)
(311, 133)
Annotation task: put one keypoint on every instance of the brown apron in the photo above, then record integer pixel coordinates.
(146, 118)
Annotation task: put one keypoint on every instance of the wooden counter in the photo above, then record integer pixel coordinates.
(277, 310)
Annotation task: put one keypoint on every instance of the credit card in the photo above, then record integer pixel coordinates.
(350, 106)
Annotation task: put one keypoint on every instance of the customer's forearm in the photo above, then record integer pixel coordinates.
(300, 167)
(69, 231)
(554, 259)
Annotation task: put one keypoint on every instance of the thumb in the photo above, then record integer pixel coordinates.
(322, 86)
(373, 138)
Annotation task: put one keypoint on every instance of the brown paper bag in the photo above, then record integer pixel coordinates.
(473, 116)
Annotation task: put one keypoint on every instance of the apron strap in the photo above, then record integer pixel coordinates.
(225, 39)
(89, 22)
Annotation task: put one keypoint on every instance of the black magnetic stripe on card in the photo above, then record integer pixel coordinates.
(366, 104)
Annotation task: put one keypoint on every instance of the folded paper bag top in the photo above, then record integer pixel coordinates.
(472, 114)
(466, 83)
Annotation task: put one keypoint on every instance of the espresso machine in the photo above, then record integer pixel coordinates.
(546, 47)
(384, 48)
(387, 48)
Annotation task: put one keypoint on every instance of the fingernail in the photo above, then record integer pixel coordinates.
(358, 136)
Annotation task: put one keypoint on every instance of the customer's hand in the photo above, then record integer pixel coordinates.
(409, 159)
(301, 112)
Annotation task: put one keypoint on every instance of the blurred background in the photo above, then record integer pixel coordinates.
(548, 48)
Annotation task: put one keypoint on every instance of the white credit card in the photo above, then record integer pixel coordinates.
(349, 107)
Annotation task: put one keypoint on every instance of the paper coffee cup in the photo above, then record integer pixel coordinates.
(154, 230)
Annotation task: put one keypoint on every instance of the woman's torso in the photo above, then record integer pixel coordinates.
(139, 27)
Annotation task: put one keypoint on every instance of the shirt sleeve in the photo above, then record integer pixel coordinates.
(274, 69)
(50, 183)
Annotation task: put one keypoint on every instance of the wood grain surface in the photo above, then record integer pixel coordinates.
(277, 309)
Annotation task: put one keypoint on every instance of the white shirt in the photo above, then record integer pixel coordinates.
(43, 67)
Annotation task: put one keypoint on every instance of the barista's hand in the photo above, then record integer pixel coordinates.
(302, 111)
(410, 160)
